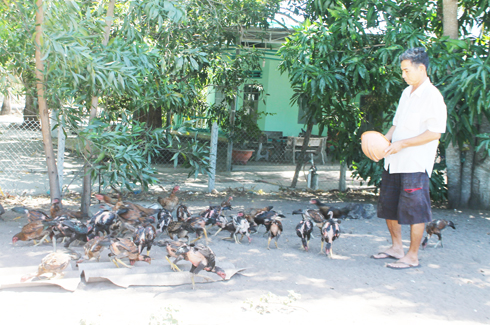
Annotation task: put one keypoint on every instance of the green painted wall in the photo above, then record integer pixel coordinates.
(278, 93)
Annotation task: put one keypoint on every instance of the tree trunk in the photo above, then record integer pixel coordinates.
(480, 195)
(302, 154)
(453, 154)
(7, 105)
(467, 176)
(87, 183)
(54, 185)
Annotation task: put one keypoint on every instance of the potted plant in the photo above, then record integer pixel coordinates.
(245, 135)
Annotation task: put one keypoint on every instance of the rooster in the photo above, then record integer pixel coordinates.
(242, 227)
(170, 202)
(201, 258)
(101, 222)
(314, 215)
(434, 228)
(304, 230)
(330, 232)
(265, 218)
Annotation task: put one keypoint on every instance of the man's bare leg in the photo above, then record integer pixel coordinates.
(396, 249)
(411, 258)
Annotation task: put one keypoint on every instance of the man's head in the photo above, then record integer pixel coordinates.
(414, 64)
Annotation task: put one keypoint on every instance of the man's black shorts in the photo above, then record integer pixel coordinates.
(405, 197)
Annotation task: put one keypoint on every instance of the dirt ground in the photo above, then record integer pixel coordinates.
(279, 286)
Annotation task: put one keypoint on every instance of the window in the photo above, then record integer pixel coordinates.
(251, 99)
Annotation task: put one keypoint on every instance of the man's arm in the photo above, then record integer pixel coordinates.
(389, 135)
(419, 140)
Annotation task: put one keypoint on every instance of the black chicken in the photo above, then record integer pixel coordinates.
(201, 258)
(434, 228)
(325, 209)
(101, 222)
(183, 213)
(63, 227)
(314, 215)
(274, 229)
(265, 217)
(304, 230)
(330, 232)
(144, 237)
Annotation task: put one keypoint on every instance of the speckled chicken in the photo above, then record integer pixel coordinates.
(265, 218)
(434, 228)
(304, 230)
(94, 247)
(63, 227)
(144, 236)
(124, 247)
(330, 232)
(53, 263)
(201, 258)
(314, 215)
(242, 227)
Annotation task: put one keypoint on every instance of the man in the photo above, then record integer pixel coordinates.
(417, 126)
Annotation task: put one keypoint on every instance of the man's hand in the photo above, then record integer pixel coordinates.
(394, 148)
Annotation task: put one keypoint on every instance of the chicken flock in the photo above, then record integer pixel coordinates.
(128, 231)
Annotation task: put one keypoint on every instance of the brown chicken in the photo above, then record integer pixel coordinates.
(172, 246)
(35, 230)
(201, 258)
(124, 247)
(58, 210)
(434, 228)
(32, 215)
(135, 215)
(94, 247)
(170, 202)
(275, 230)
(250, 213)
(53, 263)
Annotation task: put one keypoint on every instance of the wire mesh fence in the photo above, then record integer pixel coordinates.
(267, 156)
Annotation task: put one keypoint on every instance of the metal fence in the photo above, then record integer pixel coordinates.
(271, 158)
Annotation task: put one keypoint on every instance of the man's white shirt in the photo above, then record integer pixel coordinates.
(417, 112)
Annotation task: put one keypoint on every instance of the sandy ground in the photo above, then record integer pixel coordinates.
(452, 286)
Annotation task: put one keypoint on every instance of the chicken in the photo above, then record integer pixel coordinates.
(197, 225)
(124, 247)
(32, 215)
(325, 209)
(144, 237)
(304, 230)
(275, 230)
(227, 203)
(265, 217)
(33, 231)
(201, 258)
(94, 247)
(434, 228)
(101, 222)
(171, 246)
(183, 213)
(2, 211)
(53, 263)
(330, 232)
(250, 213)
(242, 227)
(164, 220)
(211, 214)
(63, 227)
(314, 215)
(135, 213)
(170, 202)
(57, 210)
